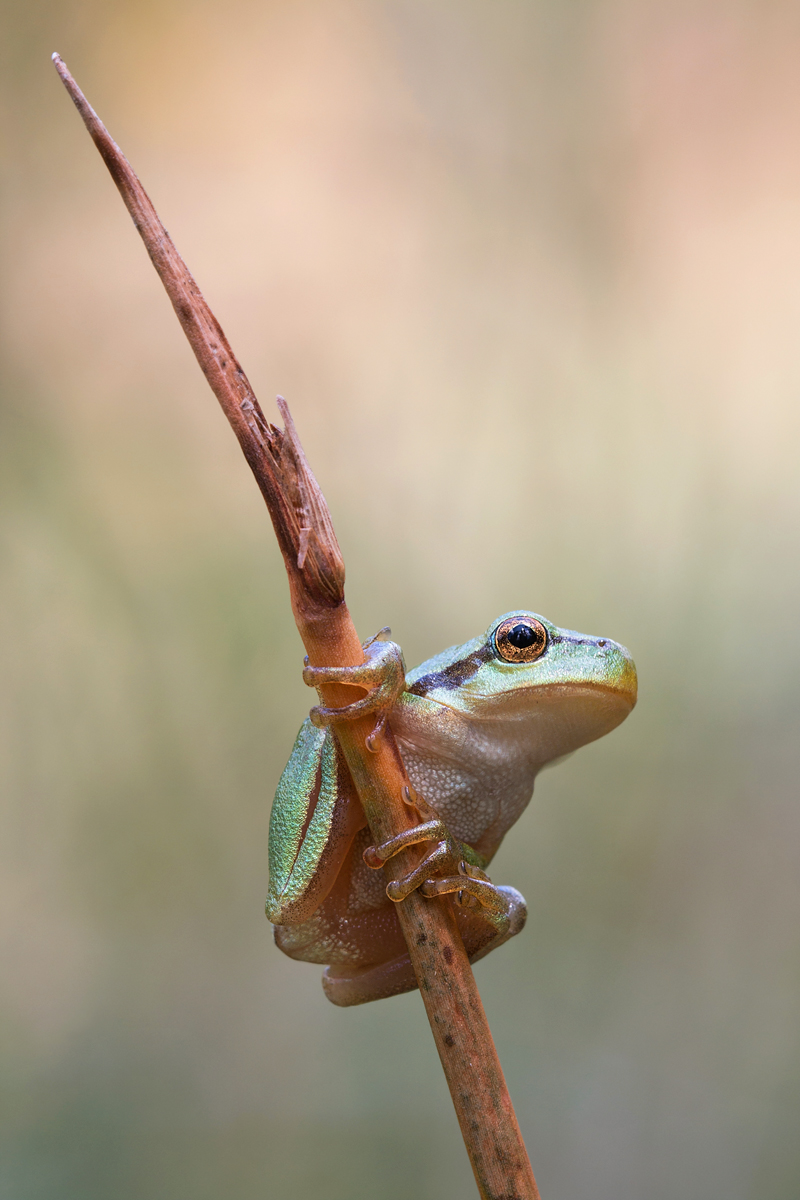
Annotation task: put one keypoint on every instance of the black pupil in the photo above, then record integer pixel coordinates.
(522, 636)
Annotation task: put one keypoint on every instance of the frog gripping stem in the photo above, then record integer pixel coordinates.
(382, 673)
(315, 571)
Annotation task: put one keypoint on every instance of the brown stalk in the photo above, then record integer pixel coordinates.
(315, 569)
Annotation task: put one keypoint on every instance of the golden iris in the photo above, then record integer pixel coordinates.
(520, 639)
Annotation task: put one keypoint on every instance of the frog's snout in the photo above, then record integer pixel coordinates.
(619, 670)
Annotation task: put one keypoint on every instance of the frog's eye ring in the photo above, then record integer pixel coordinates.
(520, 639)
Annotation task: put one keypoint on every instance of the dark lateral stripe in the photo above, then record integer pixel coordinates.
(453, 676)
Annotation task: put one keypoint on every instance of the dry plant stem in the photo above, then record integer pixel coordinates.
(316, 580)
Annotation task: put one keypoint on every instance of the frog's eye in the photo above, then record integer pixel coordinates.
(520, 639)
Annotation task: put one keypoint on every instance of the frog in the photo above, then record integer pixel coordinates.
(474, 725)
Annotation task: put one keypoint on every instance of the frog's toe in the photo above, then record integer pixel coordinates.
(471, 893)
(429, 831)
(382, 674)
(474, 889)
(440, 858)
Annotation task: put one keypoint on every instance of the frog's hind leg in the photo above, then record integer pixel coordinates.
(348, 987)
(482, 932)
(314, 821)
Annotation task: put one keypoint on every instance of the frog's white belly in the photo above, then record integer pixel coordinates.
(475, 807)
(478, 775)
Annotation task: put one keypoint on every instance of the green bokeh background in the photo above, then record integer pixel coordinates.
(529, 275)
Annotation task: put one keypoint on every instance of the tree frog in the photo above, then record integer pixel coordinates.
(474, 725)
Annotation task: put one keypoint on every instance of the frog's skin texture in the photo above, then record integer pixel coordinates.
(473, 730)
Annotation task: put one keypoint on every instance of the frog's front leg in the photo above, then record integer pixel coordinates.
(383, 674)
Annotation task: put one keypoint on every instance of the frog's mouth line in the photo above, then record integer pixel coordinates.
(489, 700)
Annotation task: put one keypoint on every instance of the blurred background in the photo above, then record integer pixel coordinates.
(529, 275)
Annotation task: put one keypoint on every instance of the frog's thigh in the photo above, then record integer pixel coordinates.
(348, 941)
(315, 816)
(356, 925)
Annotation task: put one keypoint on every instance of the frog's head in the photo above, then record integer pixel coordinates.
(555, 689)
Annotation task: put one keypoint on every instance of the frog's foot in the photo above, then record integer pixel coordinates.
(383, 674)
(503, 909)
(502, 918)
